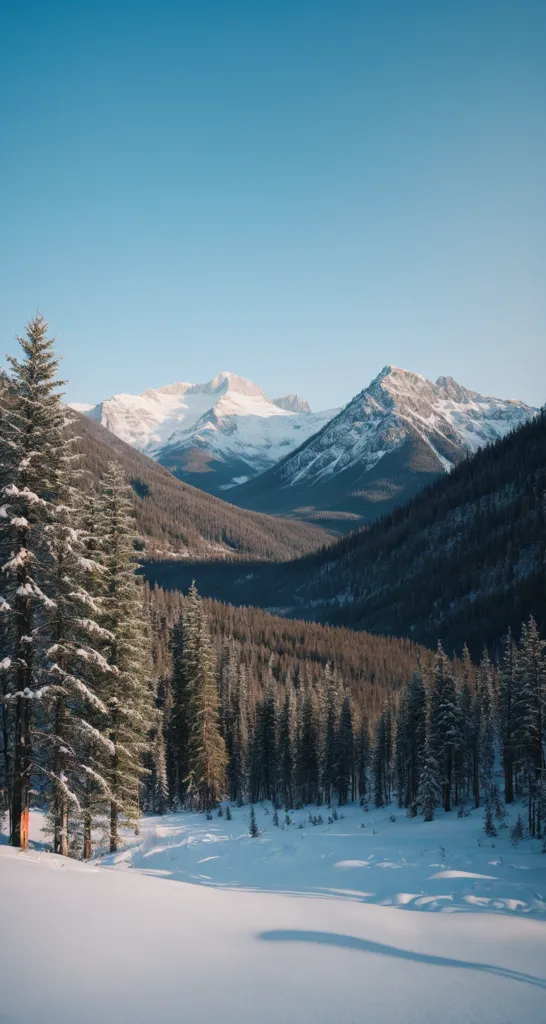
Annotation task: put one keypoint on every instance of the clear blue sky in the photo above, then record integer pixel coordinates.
(296, 190)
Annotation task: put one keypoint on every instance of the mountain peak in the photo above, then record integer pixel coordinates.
(292, 403)
(227, 381)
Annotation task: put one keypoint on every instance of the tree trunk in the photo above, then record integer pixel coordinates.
(21, 775)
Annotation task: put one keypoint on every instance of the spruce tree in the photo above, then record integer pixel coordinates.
(286, 751)
(487, 719)
(344, 752)
(508, 724)
(363, 760)
(445, 736)
(429, 787)
(253, 828)
(32, 454)
(207, 758)
(128, 698)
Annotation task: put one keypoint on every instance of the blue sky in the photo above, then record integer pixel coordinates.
(295, 190)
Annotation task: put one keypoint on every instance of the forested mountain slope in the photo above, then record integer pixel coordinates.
(373, 667)
(178, 520)
(461, 561)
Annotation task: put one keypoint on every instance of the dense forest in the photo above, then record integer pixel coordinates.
(118, 699)
(464, 560)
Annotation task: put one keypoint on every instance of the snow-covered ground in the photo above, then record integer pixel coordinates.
(196, 922)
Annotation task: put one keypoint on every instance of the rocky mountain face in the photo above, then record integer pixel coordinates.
(292, 403)
(392, 439)
(214, 435)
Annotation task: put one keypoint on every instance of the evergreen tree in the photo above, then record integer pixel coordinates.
(308, 752)
(253, 828)
(329, 708)
(445, 737)
(382, 758)
(206, 748)
(128, 699)
(508, 724)
(363, 759)
(486, 699)
(429, 788)
(32, 452)
(286, 751)
(344, 752)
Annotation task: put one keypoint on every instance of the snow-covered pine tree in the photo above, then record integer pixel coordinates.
(207, 758)
(33, 458)
(253, 827)
(429, 786)
(445, 735)
(75, 747)
(128, 698)
(344, 756)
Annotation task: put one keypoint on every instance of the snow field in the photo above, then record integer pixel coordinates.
(196, 922)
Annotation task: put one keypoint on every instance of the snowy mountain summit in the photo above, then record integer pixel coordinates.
(387, 443)
(216, 434)
(447, 418)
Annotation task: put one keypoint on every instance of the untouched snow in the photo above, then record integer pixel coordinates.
(197, 922)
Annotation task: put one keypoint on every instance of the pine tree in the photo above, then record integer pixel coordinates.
(445, 737)
(253, 828)
(486, 699)
(344, 752)
(429, 788)
(329, 713)
(206, 748)
(508, 724)
(531, 710)
(128, 699)
(382, 758)
(308, 750)
(32, 446)
(363, 759)
(488, 823)
(286, 751)
(239, 757)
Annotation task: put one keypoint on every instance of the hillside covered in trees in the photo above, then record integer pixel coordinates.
(118, 699)
(463, 560)
(178, 520)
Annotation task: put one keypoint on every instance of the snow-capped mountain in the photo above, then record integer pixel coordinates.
(216, 435)
(383, 446)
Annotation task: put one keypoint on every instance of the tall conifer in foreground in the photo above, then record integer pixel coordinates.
(32, 447)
